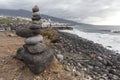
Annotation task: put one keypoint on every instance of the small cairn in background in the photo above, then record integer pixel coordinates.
(34, 53)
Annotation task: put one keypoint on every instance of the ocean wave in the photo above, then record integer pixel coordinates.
(114, 31)
(109, 41)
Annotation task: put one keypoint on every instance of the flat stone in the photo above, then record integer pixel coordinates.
(36, 22)
(36, 18)
(34, 39)
(36, 31)
(36, 49)
(36, 63)
(36, 14)
(24, 32)
(35, 26)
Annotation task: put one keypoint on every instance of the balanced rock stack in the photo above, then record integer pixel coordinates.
(36, 24)
(34, 53)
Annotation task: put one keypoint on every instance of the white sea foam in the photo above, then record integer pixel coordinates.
(109, 41)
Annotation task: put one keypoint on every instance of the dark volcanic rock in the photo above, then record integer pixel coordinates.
(36, 18)
(34, 53)
(24, 32)
(37, 63)
(36, 49)
(95, 60)
(20, 53)
(27, 32)
(78, 44)
(36, 22)
(35, 26)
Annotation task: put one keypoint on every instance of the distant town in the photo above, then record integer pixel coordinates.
(7, 21)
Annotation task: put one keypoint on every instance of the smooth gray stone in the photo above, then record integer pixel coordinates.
(34, 39)
(36, 14)
(60, 57)
(36, 49)
(35, 8)
(36, 22)
(36, 63)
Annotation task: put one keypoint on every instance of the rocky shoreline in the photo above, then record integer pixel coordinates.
(80, 58)
(84, 55)
(77, 59)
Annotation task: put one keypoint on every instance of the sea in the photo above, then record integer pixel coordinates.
(108, 36)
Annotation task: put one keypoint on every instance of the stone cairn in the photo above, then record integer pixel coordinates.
(34, 53)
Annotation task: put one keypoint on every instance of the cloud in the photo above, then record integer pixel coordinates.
(87, 11)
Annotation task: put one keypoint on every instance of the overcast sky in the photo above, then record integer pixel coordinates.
(105, 12)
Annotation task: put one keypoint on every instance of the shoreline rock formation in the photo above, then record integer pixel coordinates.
(77, 56)
(34, 53)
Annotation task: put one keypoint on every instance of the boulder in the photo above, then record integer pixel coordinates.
(36, 49)
(36, 63)
(34, 39)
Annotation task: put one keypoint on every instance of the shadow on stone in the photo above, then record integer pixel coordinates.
(36, 63)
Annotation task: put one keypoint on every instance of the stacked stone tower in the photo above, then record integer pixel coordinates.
(36, 23)
(34, 53)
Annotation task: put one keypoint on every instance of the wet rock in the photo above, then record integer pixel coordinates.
(34, 39)
(36, 49)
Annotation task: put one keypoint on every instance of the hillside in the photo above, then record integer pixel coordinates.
(25, 13)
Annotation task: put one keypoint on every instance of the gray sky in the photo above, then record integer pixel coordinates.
(105, 12)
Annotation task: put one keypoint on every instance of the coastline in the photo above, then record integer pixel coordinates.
(80, 56)
(92, 58)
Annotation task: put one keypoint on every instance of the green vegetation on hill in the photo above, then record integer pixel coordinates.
(9, 20)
